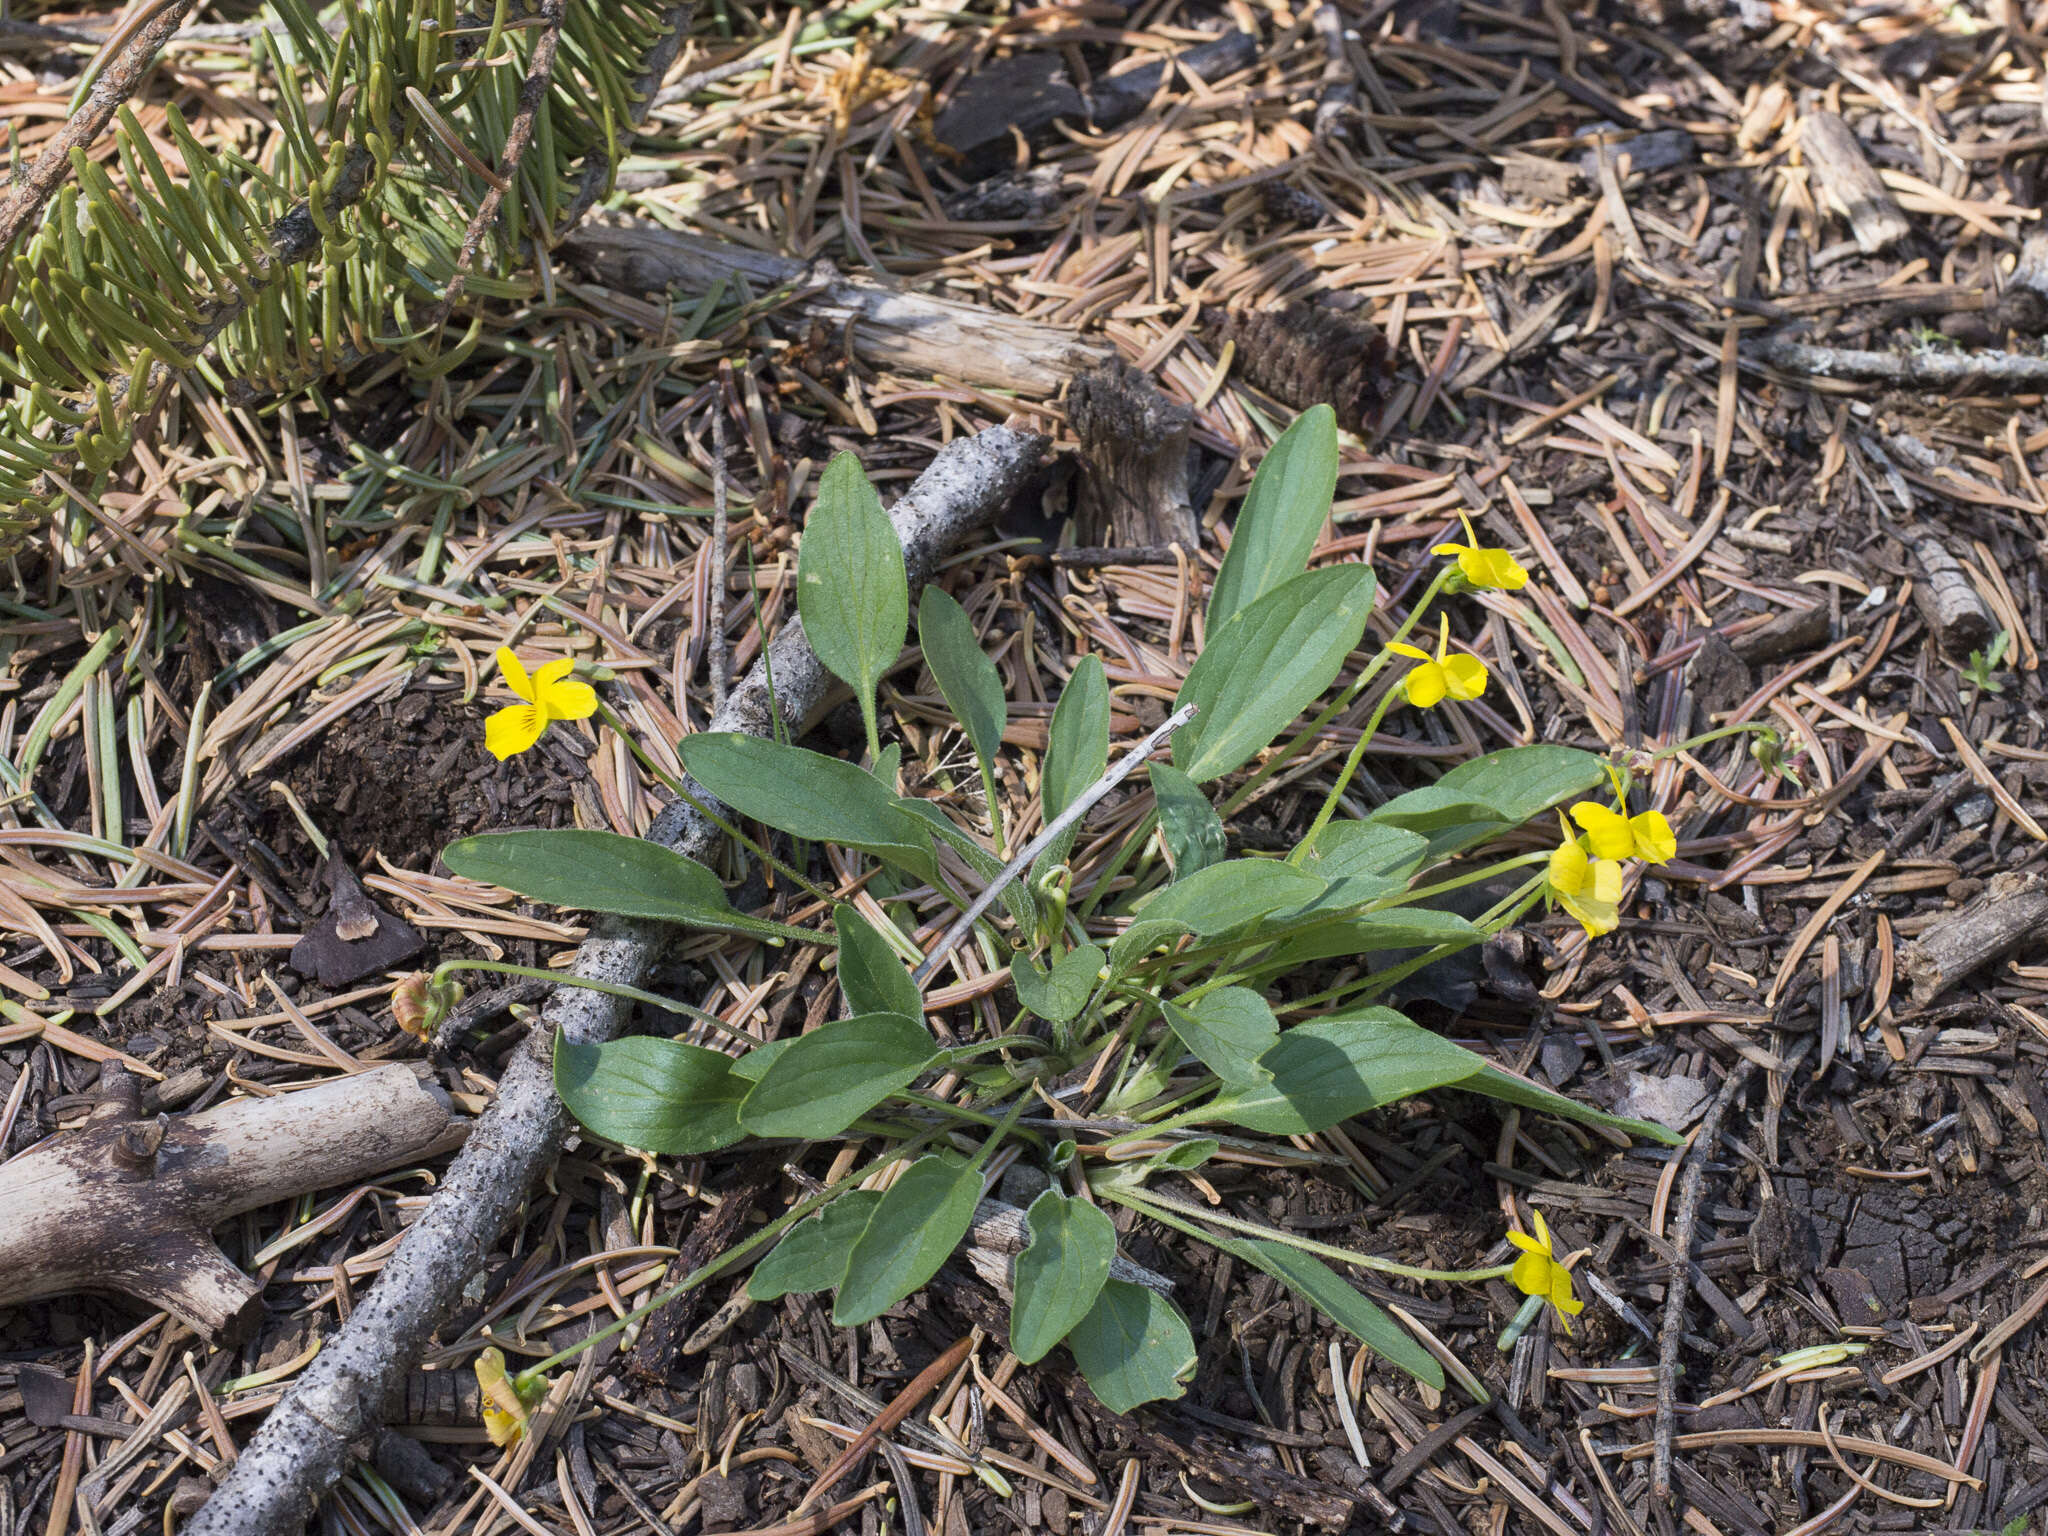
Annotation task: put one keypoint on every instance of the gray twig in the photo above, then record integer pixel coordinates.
(1679, 1285)
(719, 653)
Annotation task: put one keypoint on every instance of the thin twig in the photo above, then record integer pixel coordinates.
(1120, 770)
(719, 648)
(116, 83)
(533, 92)
(1680, 1284)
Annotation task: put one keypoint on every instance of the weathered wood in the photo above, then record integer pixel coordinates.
(126, 1203)
(1848, 181)
(2023, 305)
(1134, 448)
(891, 327)
(1948, 599)
(1931, 369)
(2012, 910)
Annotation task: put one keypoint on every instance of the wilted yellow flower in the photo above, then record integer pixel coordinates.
(550, 694)
(1538, 1273)
(507, 1408)
(1442, 676)
(1588, 888)
(1611, 835)
(1482, 567)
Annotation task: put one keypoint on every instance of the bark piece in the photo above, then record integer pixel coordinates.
(1309, 354)
(2012, 910)
(126, 1203)
(304, 1444)
(2023, 305)
(892, 327)
(354, 937)
(1948, 599)
(1848, 181)
(1787, 630)
(1929, 369)
(1134, 443)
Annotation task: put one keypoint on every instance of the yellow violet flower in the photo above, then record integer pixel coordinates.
(550, 694)
(1441, 676)
(507, 1409)
(1611, 835)
(1538, 1273)
(1482, 567)
(1588, 888)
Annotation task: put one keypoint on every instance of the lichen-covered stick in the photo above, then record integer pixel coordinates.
(304, 1445)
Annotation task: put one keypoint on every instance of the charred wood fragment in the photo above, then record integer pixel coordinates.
(1134, 451)
(1306, 354)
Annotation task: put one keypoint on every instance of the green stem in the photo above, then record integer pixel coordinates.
(995, 809)
(1372, 726)
(1756, 727)
(1009, 1123)
(1158, 1208)
(610, 989)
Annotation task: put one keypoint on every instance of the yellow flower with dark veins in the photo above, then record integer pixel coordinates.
(549, 694)
(1611, 835)
(1588, 888)
(1538, 1273)
(1482, 567)
(1442, 676)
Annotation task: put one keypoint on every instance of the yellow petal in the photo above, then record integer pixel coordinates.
(1407, 650)
(1568, 869)
(1476, 568)
(1464, 676)
(515, 674)
(1595, 916)
(1507, 572)
(1606, 881)
(552, 673)
(1471, 537)
(513, 729)
(1606, 830)
(570, 701)
(1562, 1296)
(1655, 842)
(1426, 685)
(1531, 1274)
(1542, 1232)
(1451, 549)
(1525, 1242)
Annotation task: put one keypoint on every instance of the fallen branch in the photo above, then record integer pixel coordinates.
(2012, 911)
(892, 328)
(304, 1445)
(127, 1204)
(1930, 369)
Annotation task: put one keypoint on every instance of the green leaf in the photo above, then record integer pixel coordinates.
(603, 872)
(1364, 860)
(1061, 993)
(1494, 1083)
(812, 1254)
(1017, 897)
(1268, 664)
(1060, 1272)
(851, 589)
(1138, 941)
(1077, 748)
(1332, 1068)
(1373, 933)
(1282, 516)
(972, 687)
(835, 1074)
(1133, 1347)
(754, 1066)
(808, 795)
(654, 1095)
(871, 978)
(1237, 891)
(1229, 1030)
(1189, 823)
(920, 1220)
(1480, 798)
(1343, 1304)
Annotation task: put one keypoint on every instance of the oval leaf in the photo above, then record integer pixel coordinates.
(1133, 1347)
(1138, 941)
(1267, 665)
(603, 872)
(838, 1072)
(812, 1255)
(1375, 933)
(1343, 1065)
(1237, 891)
(972, 687)
(920, 1220)
(808, 795)
(1364, 860)
(654, 1095)
(1060, 1272)
(1228, 1030)
(1077, 748)
(1187, 821)
(1061, 993)
(871, 977)
(1342, 1303)
(1282, 516)
(851, 589)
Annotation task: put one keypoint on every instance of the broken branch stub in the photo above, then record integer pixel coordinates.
(127, 1203)
(304, 1445)
(1134, 446)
